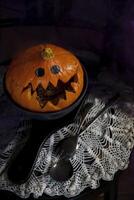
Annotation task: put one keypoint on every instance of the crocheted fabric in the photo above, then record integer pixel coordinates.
(103, 148)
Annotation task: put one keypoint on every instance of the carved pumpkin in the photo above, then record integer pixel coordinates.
(45, 78)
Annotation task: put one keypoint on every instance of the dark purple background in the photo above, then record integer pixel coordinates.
(102, 26)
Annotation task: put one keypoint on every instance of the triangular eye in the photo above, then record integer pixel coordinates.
(55, 69)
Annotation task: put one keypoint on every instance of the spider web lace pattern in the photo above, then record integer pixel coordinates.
(103, 148)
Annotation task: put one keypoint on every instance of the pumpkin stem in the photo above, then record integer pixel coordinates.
(47, 54)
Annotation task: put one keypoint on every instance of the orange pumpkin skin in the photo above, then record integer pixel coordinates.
(45, 78)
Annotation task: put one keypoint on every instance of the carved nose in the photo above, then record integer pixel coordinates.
(39, 72)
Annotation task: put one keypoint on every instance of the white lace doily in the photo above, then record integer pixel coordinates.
(103, 149)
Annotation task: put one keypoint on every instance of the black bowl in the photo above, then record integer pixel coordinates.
(51, 115)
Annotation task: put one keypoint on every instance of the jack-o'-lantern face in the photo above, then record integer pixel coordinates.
(45, 78)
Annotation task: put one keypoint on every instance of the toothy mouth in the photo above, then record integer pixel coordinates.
(51, 93)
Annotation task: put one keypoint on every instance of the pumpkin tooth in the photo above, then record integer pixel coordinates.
(70, 88)
(74, 86)
(54, 82)
(29, 95)
(29, 87)
(45, 83)
(69, 94)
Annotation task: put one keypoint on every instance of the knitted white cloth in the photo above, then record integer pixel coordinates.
(103, 148)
